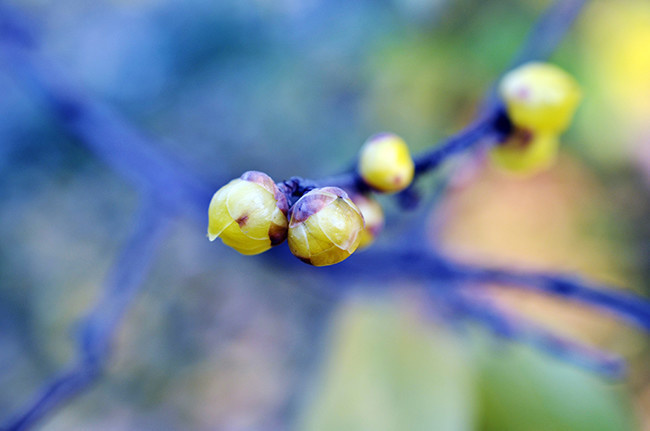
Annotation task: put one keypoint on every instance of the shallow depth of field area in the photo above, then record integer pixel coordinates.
(214, 340)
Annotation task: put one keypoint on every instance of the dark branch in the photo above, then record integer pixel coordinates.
(494, 123)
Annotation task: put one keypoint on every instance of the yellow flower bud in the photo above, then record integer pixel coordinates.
(249, 214)
(385, 163)
(526, 152)
(373, 215)
(325, 227)
(540, 97)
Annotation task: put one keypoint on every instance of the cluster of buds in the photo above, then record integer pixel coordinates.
(325, 225)
(540, 101)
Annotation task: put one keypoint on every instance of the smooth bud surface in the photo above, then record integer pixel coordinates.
(385, 163)
(525, 152)
(373, 215)
(325, 227)
(249, 214)
(540, 96)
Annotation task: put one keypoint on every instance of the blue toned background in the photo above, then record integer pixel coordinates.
(215, 340)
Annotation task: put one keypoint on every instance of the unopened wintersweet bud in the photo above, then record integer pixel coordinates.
(249, 214)
(540, 97)
(385, 163)
(325, 227)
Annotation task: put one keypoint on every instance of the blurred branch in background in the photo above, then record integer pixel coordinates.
(544, 38)
(548, 32)
(423, 265)
(97, 126)
(512, 327)
(98, 328)
(171, 190)
(627, 307)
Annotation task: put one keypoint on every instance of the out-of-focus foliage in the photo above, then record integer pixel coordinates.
(522, 391)
(387, 369)
(221, 341)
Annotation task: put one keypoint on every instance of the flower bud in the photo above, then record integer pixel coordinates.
(526, 152)
(325, 227)
(540, 97)
(373, 215)
(249, 214)
(385, 163)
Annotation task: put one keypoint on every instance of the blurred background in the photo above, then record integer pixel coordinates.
(216, 340)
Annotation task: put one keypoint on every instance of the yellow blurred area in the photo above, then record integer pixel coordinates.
(550, 220)
(389, 369)
(619, 33)
(523, 156)
(408, 89)
(614, 38)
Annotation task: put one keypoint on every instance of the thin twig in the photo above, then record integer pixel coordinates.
(483, 128)
(548, 32)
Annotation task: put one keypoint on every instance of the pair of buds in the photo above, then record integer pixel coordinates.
(324, 227)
